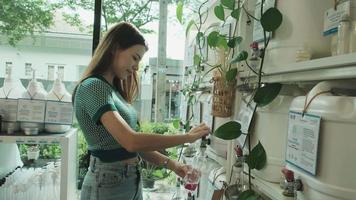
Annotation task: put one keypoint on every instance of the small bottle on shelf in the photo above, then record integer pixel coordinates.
(343, 35)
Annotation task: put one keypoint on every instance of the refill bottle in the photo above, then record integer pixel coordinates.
(12, 89)
(60, 94)
(35, 91)
(343, 36)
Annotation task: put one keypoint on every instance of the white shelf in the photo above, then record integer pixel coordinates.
(271, 190)
(336, 67)
(68, 143)
(43, 138)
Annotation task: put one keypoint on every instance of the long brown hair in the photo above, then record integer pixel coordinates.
(120, 37)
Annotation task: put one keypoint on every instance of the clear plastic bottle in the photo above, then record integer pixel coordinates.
(343, 35)
(353, 38)
(178, 195)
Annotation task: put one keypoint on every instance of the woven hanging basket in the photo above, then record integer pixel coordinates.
(223, 97)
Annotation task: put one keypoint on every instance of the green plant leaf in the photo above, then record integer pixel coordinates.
(197, 60)
(222, 43)
(271, 19)
(213, 39)
(234, 42)
(257, 158)
(231, 74)
(179, 12)
(219, 12)
(190, 24)
(199, 37)
(176, 123)
(230, 4)
(236, 13)
(228, 131)
(267, 94)
(240, 57)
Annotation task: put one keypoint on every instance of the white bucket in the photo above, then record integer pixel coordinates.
(335, 177)
(301, 28)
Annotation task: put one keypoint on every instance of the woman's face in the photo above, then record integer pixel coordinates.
(126, 62)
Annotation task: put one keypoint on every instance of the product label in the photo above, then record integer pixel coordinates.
(302, 141)
(207, 116)
(244, 117)
(8, 108)
(332, 17)
(197, 112)
(31, 110)
(59, 113)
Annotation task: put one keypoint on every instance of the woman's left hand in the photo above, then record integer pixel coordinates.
(180, 169)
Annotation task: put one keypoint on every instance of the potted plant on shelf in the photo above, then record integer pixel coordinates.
(232, 54)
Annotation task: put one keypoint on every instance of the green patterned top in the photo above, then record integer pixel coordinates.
(93, 98)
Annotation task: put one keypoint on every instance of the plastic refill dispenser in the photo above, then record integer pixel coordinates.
(12, 89)
(35, 91)
(60, 94)
(333, 175)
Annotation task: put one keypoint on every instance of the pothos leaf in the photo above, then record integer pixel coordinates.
(257, 157)
(190, 24)
(240, 57)
(271, 19)
(213, 39)
(231, 74)
(179, 12)
(236, 13)
(267, 94)
(230, 4)
(176, 123)
(219, 12)
(228, 131)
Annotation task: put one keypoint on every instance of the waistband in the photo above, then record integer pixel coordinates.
(113, 155)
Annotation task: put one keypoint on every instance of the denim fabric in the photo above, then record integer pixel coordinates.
(111, 181)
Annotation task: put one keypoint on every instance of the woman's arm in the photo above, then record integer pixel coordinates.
(159, 159)
(135, 142)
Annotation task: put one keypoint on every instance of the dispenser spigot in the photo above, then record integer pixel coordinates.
(291, 185)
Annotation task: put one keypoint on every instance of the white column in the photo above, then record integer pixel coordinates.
(161, 63)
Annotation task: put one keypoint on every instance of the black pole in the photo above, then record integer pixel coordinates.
(97, 24)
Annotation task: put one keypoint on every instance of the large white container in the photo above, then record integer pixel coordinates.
(302, 25)
(34, 91)
(336, 177)
(58, 93)
(270, 128)
(12, 89)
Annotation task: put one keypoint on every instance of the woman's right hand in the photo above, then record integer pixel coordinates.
(198, 132)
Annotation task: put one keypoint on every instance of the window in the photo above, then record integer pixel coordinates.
(50, 73)
(60, 72)
(28, 70)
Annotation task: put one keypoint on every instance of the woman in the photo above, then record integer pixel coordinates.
(102, 101)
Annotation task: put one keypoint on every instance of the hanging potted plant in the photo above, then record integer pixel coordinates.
(225, 74)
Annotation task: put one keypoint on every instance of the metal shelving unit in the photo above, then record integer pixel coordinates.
(68, 143)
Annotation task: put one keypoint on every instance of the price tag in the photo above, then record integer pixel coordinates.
(244, 117)
(302, 141)
(8, 107)
(31, 110)
(333, 17)
(59, 113)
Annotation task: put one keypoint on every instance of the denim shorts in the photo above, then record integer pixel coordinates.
(111, 181)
